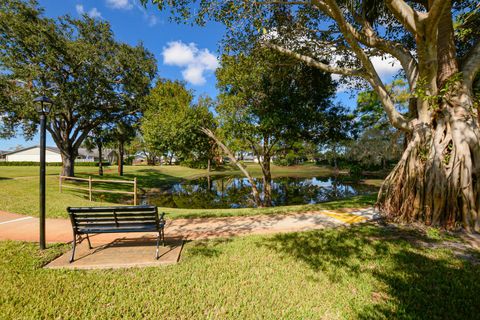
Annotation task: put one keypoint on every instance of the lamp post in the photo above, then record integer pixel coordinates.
(42, 105)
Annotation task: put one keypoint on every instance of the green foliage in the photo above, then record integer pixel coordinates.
(171, 124)
(269, 95)
(377, 143)
(269, 102)
(434, 100)
(289, 159)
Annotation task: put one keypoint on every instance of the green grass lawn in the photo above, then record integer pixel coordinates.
(19, 189)
(362, 272)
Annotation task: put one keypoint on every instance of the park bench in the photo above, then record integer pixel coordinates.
(95, 220)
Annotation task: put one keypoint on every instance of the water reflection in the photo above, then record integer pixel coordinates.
(235, 192)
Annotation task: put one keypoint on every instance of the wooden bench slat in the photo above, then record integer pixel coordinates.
(118, 214)
(117, 224)
(120, 219)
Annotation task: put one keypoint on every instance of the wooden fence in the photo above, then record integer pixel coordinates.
(92, 181)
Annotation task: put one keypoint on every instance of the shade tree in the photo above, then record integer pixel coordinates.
(267, 98)
(171, 124)
(92, 78)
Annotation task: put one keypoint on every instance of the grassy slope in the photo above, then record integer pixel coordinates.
(19, 189)
(363, 272)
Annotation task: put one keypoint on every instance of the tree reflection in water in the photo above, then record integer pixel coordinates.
(235, 192)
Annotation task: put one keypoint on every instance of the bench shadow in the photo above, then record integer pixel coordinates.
(172, 243)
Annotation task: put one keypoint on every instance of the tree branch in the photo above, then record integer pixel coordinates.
(232, 158)
(368, 37)
(317, 64)
(408, 17)
(396, 119)
(434, 15)
(471, 65)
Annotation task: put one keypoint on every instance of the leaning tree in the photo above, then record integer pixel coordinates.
(92, 79)
(436, 42)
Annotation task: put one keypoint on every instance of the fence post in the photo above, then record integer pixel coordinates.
(135, 191)
(90, 187)
(60, 184)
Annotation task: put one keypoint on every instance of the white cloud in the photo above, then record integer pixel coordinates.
(119, 4)
(179, 54)
(194, 75)
(386, 66)
(152, 20)
(92, 13)
(196, 62)
(80, 9)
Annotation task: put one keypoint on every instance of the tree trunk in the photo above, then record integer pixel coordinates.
(100, 161)
(209, 165)
(437, 179)
(335, 164)
(267, 181)
(68, 165)
(120, 159)
(255, 193)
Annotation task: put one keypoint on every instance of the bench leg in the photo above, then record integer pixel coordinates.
(163, 237)
(89, 243)
(74, 245)
(158, 244)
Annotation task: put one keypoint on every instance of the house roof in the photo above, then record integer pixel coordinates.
(52, 149)
(84, 152)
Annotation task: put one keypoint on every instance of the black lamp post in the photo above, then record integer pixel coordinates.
(42, 105)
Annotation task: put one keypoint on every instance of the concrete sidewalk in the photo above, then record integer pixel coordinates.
(25, 228)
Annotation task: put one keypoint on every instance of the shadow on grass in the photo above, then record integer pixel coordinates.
(420, 283)
(207, 248)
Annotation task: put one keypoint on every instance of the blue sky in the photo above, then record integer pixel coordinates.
(183, 52)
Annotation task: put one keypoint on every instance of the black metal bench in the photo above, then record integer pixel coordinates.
(93, 220)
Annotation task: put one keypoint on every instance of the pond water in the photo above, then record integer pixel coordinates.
(235, 192)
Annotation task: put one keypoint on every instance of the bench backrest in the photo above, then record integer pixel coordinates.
(114, 217)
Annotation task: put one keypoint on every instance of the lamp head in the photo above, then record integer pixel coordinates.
(43, 105)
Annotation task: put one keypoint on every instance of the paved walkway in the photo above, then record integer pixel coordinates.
(25, 228)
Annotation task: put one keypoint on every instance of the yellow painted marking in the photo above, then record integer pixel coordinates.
(345, 217)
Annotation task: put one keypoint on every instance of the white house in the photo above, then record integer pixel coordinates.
(33, 154)
(52, 154)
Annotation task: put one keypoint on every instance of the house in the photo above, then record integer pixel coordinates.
(32, 154)
(52, 154)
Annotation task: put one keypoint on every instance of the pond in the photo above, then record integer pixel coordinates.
(235, 192)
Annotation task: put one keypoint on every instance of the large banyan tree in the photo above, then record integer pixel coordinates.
(437, 180)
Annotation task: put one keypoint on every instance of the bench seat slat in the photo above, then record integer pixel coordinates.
(118, 214)
(116, 230)
(119, 218)
(115, 226)
(111, 209)
(112, 224)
